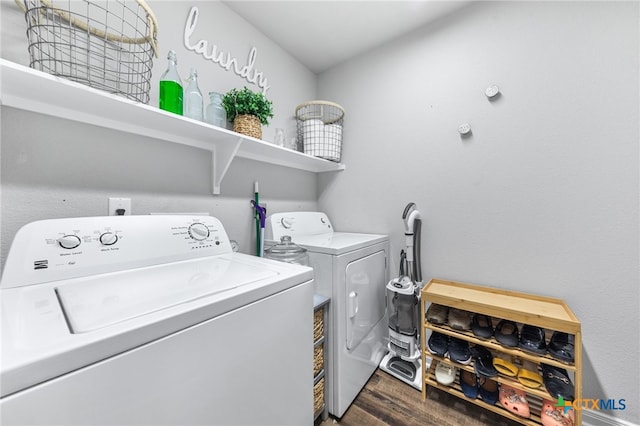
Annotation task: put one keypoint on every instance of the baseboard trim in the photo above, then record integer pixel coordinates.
(598, 418)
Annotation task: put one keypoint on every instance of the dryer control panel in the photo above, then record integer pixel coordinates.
(297, 223)
(56, 249)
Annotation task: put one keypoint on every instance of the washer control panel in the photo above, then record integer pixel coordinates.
(51, 250)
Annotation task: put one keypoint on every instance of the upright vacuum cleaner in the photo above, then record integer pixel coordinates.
(403, 307)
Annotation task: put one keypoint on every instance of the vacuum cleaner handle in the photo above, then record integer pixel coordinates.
(417, 265)
(412, 219)
(407, 210)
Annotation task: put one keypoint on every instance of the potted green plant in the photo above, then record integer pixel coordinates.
(248, 111)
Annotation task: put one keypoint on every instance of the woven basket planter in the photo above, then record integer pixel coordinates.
(248, 125)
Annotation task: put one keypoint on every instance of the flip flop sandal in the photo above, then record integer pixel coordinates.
(557, 382)
(437, 314)
(459, 319)
(481, 326)
(445, 373)
(469, 384)
(532, 339)
(505, 366)
(483, 364)
(488, 390)
(561, 346)
(551, 415)
(514, 400)
(506, 333)
(528, 375)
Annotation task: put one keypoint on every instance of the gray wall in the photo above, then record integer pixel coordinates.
(543, 197)
(52, 168)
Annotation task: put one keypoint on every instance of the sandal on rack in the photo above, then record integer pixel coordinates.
(483, 361)
(504, 364)
(438, 344)
(469, 384)
(561, 346)
(459, 351)
(553, 415)
(506, 333)
(437, 314)
(529, 376)
(481, 326)
(557, 382)
(532, 339)
(459, 319)
(488, 390)
(445, 373)
(514, 400)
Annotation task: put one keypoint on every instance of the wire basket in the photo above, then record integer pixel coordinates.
(319, 125)
(107, 44)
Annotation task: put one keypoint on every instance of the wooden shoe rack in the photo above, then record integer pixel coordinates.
(545, 312)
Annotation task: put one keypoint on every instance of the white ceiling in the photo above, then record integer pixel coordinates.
(323, 33)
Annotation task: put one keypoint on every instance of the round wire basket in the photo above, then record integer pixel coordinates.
(105, 44)
(319, 126)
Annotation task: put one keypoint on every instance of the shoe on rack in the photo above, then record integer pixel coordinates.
(529, 376)
(504, 364)
(483, 361)
(532, 339)
(481, 326)
(469, 384)
(514, 400)
(459, 351)
(438, 344)
(551, 415)
(561, 346)
(437, 314)
(459, 319)
(506, 333)
(488, 390)
(557, 382)
(445, 373)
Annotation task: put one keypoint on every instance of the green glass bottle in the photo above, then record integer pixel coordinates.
(171, 86)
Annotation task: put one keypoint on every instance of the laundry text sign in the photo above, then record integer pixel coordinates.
(210, 52)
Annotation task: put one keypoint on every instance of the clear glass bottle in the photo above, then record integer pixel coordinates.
(279, 138)
(193, 101)
(171, 86)
(216, 113)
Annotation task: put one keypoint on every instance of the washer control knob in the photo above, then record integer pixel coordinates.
(286, 222)
(69, 242)
(199, 231)
(108, 238)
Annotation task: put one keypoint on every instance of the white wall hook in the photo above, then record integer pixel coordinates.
(464, 129)
(492, 91)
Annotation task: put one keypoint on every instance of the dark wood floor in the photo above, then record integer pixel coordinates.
(386, 400)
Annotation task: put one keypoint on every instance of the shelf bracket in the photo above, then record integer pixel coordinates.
(221, 158)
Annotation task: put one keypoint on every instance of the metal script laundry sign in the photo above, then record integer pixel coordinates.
(224, 60)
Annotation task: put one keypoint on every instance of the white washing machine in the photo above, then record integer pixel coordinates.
(352, 270)
(151, 320)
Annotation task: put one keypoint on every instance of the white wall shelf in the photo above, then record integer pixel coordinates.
(31, 90)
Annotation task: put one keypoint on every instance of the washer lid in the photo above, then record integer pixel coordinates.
(36, 343)
(100, 301)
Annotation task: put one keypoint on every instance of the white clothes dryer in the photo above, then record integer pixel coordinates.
(151, 320)
(352, 270)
